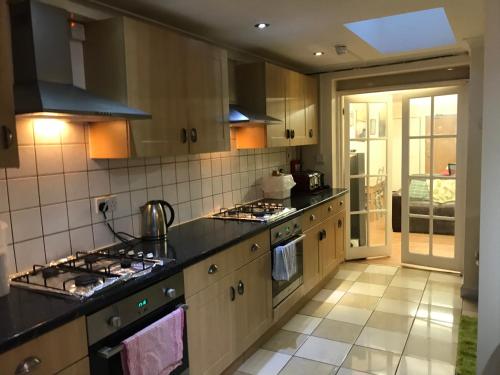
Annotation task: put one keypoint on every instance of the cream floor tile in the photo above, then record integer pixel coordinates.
(302, 366)
(412, 272)
(430, 349)
(302, 324)
(394, 306)
(338, 284)
(385, 270)
(445, 278)
(323, 350)
(406, 294)
(375, 338)
(450, 300)
(438, 313)
(435, 330)
(390, 322)
(285, 342)
(348, 371)
(436, 286)
(349, 275)
(353, 266)
(409, 282)
(375, 278)
(372, 361)
(349, 314)
(419, 366)
(317, 309)
(264, 362)
(338, 331)
(359, 300)
(327, 295)
(368, 289)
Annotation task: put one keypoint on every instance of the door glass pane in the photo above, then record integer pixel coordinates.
(445, 114)
(359, 230)
(376, 193)
(420, 117)
(420, 156)
(358, 120)
(419, 236)
(445, 156)
(378, 157)
(419, 196)
(443, 238)
(443, 196)
(377, 228)
(377, 124)
(358, 194)
(358, 159)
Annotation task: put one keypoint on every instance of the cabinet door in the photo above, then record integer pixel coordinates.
(254, 301)
(312, 109)
(295, 108)
(9, 156)
(327, 246)
(208, 98)
(339, 222)
(275, 81)
(311, 258)
(210, 326)
(155, 63)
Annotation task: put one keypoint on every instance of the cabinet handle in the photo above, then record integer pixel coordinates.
(7, 137)
(184, 135)
(312, 217)
(293, 133)
(241, 288)
(310, 133)
(322, 235)
(330, 208)
(194, 135)
(213, 269)
(255, 247)
(28, 365)
(339, 223)
(287, 133)
(341, 203)
(232, 293)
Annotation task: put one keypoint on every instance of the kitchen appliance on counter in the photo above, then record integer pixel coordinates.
(284, 234)
(308, 181)
(155, 221)
(264, 210)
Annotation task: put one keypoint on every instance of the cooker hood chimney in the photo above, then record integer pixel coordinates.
(42, 68)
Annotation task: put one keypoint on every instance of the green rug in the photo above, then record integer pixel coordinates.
(467, 346)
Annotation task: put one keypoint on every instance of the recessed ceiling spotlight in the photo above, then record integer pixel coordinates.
(319, 53)
(449, 69)
(261, 26)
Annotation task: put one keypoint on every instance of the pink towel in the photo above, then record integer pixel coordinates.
(157, 349)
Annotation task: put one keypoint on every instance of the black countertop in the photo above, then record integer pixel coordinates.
(26, 314)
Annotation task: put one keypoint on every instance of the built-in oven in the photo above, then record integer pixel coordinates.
(108, 327)
(283, 234)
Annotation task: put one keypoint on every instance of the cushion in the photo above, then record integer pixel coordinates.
(419, 190)
(444, 191)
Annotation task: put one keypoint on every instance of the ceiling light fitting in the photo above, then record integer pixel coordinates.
(261, 26)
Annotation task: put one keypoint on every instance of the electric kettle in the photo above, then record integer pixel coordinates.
(154, 219)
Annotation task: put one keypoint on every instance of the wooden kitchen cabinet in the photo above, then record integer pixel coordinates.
(295, 108)
(327, 243)
(276, 104)
(312, 271)
(9, 156)
(182, 82)
(82, 367)
(339, 222)
(312, 109)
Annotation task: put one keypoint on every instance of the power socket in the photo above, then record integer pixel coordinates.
(109, 200)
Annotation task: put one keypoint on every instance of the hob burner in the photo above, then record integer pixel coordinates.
(50, 272)
(86, 280)
(126, 263)
(91, 259)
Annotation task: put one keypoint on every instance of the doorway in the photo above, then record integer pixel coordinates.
(401, 166)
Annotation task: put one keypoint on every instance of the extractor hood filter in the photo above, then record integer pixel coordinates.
(239, 114)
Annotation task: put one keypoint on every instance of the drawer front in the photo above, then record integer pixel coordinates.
(312, 217)
(252, 248)
(81, 367)
(334, 206)
(203, 274)
(49, 353)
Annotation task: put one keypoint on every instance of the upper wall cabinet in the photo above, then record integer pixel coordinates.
(8, 141)
(182, 82)
(283, 94)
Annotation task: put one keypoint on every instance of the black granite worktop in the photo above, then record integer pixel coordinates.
(26, 314)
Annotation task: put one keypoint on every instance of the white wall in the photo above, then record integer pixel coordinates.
(489, 268)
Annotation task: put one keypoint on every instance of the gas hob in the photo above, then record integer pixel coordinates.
(265, 210)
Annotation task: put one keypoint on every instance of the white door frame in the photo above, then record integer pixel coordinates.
(456, 263)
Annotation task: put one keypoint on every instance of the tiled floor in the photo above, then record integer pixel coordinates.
(369, 319)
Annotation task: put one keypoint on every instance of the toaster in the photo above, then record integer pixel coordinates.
(308, 180)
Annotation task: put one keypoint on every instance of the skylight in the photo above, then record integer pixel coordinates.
(406, 32)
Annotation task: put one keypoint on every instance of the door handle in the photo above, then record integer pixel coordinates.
(322, 234)
(241, 288)
(232, 293)
(310, 133)
(339, 223)
(255, 247)
(287, 133)
(213, 269)
(184, 135)
(108, 352)
(28, 365)
(194, 135)
(293, 133)
(7, 137)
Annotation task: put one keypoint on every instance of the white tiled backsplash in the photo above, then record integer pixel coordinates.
(48, 202)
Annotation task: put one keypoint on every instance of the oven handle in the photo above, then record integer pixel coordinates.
(106, 352)
(298, 239)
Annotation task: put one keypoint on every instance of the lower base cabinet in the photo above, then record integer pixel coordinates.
(327, 243)
(82, 367)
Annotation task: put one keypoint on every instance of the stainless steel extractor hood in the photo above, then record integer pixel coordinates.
(43, 72)
(239, 114)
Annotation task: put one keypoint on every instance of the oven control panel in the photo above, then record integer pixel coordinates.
(126, 311)
(286, 230)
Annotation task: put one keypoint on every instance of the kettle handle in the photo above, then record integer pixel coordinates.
(172, 213)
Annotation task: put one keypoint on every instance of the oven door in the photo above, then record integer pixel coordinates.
(282, 289)
(105, 355)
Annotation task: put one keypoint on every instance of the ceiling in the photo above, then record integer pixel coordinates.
(301, 27)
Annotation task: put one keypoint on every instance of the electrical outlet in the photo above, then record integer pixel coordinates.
(110, 200)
